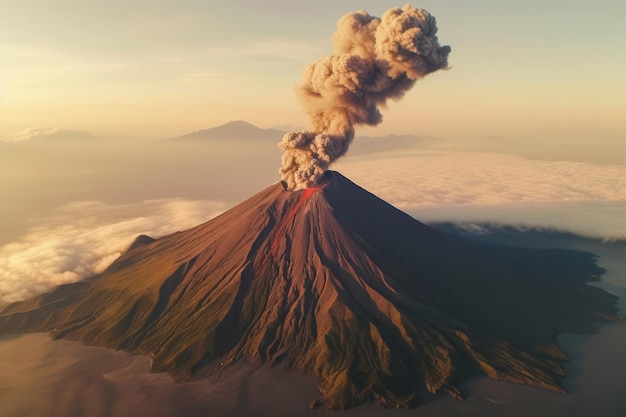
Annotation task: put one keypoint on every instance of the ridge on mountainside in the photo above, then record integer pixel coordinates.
(333, 281)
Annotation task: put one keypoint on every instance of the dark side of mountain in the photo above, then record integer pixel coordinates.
(336, 283)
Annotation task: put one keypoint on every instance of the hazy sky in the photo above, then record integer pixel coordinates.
(537, 87)
(527, 128)
(537, 69)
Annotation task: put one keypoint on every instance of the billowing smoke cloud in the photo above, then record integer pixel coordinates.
(376, 59)
(82, 238)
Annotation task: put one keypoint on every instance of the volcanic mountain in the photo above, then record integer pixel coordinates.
(334, 282)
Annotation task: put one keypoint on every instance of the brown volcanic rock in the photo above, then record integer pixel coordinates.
(329, 280)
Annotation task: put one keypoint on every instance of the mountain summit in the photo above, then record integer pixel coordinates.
(238, 130)
(334, 282)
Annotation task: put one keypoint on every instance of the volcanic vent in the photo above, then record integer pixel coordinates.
(329, 280)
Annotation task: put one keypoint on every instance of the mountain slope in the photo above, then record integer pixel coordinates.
(332, 281)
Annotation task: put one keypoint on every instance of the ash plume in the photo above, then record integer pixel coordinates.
(375, 59)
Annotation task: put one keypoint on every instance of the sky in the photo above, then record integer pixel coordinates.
(532, 70)
(526, 128)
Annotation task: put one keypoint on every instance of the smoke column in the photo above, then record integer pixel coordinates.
(375, 59)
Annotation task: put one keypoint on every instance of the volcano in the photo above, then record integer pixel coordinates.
(337, 283)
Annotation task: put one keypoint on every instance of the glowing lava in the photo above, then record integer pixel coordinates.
(305, 195)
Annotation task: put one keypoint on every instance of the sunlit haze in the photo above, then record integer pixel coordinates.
(532, 70)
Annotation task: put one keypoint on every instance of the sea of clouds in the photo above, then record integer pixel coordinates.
(434, 186)
(81, 238)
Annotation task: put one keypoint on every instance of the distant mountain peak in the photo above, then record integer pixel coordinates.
(33, 132)
(43, 132)
(239, 123)
(233, 130)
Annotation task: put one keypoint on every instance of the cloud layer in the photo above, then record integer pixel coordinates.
(440, 186)
(34, 132)
(444, 178)
(82, 238)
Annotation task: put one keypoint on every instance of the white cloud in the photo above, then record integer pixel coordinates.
(599, 220)
(82, 238)
(445, 178)
(439, 186)
(34, 132)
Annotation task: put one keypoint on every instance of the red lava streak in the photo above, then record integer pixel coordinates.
(306, 194)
